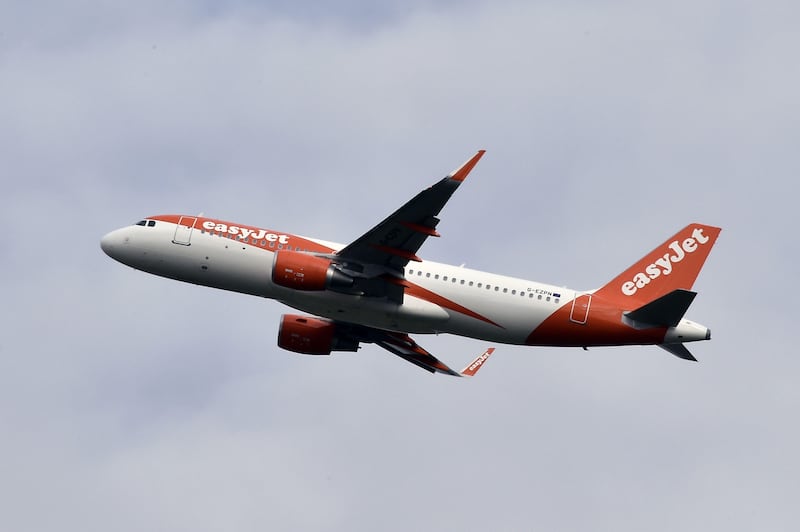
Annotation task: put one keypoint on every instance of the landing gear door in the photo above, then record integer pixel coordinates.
(183, 232)
(580, 309)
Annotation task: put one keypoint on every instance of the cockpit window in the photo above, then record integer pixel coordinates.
(141, 222)
(151, 223)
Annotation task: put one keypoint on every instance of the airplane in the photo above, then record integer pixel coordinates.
(376, 289)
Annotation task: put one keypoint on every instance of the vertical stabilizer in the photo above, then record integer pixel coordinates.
(673, 265)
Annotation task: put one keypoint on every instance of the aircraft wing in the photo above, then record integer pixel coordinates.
(405, 347)
(389, 246)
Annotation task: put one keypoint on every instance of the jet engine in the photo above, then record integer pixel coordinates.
(302, 271)
(312, 336)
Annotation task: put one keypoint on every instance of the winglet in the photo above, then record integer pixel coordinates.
(476, 364)
(461, 173)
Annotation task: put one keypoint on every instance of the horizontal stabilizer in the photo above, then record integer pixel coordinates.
(666, 311)
(679, 350)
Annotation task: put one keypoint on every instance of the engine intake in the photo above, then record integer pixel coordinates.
(312, 336)
(301, 271)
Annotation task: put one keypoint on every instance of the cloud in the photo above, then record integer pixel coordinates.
(135, 402)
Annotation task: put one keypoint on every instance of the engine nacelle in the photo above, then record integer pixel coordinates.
(312, 336)
(301, 271)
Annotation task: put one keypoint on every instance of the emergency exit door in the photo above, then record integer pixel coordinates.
(580, 309)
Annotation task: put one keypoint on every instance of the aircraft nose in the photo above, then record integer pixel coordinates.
(106, 245)
(111, 243)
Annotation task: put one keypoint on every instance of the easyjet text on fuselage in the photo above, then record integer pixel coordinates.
(244, 232)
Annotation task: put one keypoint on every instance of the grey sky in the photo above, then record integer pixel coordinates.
(130, 402)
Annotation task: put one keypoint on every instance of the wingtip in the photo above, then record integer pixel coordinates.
(473, 367)
(461, 173)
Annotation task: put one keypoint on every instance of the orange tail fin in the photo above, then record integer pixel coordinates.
(674, 264)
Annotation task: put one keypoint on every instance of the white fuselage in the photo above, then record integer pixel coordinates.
(437, 298)
(503, 309)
